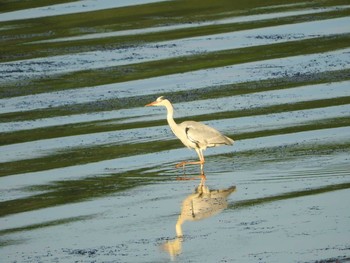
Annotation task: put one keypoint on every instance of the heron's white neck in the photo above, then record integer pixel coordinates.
(178, 226)
(170, 117)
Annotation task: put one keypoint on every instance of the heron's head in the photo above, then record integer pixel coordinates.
(160, 101)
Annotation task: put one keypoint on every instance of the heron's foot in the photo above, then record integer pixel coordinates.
(182, 164)
(186, 177)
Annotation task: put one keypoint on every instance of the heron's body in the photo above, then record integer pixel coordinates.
(194, 135)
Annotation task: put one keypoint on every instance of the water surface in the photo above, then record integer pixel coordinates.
(87, 173)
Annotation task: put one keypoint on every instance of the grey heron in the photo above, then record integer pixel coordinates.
(192, 134)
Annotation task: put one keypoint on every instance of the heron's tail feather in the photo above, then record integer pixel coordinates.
(229, 140)
(221, 140)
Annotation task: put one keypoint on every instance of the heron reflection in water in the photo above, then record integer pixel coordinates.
(203, 203)
(194, 135)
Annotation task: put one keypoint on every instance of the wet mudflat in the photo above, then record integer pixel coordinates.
(87, 174)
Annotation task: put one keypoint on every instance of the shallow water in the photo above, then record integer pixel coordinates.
(175, 48)
(87, 173)
(69, 8)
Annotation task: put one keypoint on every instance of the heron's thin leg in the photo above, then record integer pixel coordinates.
(201, 158)
(200, 162)
(203, 179)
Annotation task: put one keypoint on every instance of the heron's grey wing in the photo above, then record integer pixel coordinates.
(203, 135)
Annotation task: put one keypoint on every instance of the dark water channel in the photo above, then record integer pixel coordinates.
(87, 173)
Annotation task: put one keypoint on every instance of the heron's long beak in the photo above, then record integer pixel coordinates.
(151, 104)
